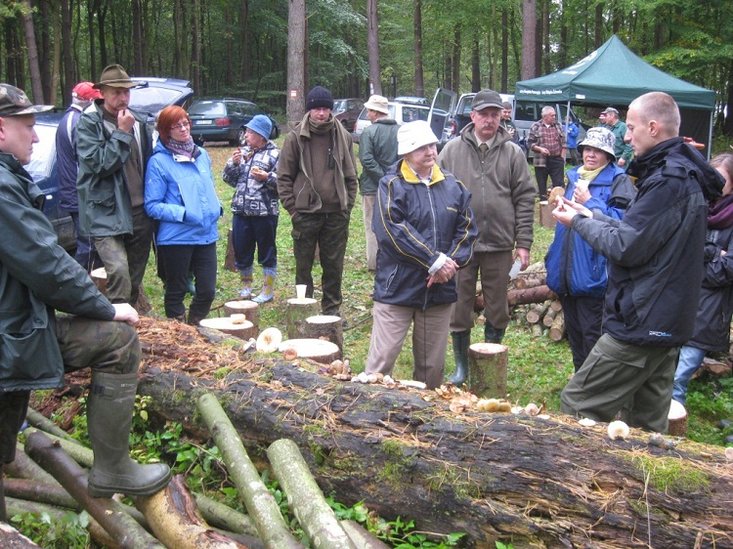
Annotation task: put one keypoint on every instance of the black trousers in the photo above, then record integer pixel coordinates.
(583, 321)
(555, 169)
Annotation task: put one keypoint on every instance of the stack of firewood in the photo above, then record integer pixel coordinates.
(546, 318)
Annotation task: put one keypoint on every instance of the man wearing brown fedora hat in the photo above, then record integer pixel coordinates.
(37, 277)
(113, 145)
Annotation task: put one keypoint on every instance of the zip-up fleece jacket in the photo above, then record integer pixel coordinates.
(414, 223)
(179, 192)
(36, 277)
(104, 201)
(502, 193)
(573, 266)
(655, 254)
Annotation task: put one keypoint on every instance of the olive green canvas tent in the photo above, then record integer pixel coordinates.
(613, 75)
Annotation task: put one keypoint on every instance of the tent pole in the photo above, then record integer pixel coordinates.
(710, 135)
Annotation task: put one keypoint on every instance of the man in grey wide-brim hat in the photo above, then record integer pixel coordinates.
(37, 278)
(113, 145)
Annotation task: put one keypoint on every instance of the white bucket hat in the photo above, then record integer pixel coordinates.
(413, 135)
(378, 103)
(599, 138)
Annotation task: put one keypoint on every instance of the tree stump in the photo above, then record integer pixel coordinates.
(298, 309)
(247, 307)
(677, 419)
(557, 328)
(328, 327)
(487, 364)
(99, 277)
(235, 326)
(319, 350)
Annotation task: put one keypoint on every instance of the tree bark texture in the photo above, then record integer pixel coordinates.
(528, 480)
(529, 29)
(297, 46)
(375, 73)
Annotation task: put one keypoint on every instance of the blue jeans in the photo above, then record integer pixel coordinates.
(688, 363)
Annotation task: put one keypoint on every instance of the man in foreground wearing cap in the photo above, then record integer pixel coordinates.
(316, 181)
(622, 149)
(655, 270)
(425, 230)
(113, 146)
(377, 152)
(547, 141)
(81, 97)
(495, 170)
(37, 277)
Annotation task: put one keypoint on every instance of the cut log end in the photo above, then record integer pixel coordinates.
(319, 350)
(234, 326)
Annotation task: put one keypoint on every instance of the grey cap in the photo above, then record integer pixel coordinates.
(610, 109)
(487, 98)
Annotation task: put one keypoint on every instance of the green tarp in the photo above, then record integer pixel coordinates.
(612, 75)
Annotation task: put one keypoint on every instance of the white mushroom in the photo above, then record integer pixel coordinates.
(586, 422)
(618, 430)
(269, 340)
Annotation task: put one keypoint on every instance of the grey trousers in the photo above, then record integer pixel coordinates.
(618, 376)
(367, 204)
(429, 340)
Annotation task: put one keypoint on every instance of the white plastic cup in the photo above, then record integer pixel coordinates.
(300, 290)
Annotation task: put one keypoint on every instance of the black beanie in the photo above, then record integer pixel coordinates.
(319, 97)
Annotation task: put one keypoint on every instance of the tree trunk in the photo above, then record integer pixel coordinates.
(375, 74)
(138, 38)
(30, 44)
(417, 31)
(537, 294)
(529, 29)
(305, 497)
(475, 63)
(505, 29)
(528, 480)
(297, 47)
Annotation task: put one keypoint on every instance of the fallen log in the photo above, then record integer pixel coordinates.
(536, 313)
(81, 454)
(118, 524)
(176, 522)
(361, 537)
(261, 505)
(39, 421)
(549, 317)
(224, 517)
(557, 328)
(305, 497)
(30, 490)
(528, 480)
(530, 280)
(538, 294)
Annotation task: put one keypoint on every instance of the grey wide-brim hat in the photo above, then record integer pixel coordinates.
(378, 103)
(115, 76)
(599, 138)
(14, 102)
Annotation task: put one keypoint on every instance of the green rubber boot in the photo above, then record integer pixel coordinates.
(461, 341)
(109, 417)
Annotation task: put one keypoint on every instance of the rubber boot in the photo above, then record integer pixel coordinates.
(246, 291)
(109, 417)
(493, 335)
(268, 287)
(461, 341)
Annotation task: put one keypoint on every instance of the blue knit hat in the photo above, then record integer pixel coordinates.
(319, 97)
(260, 124)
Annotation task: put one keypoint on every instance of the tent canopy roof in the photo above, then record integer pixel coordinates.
(614, 75)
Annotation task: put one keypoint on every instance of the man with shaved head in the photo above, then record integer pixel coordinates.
(655, 268)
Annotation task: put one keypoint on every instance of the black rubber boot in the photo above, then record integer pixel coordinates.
(109, 417)
(461, 341)
(493, 335)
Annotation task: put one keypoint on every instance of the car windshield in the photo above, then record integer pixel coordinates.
(208, 108)
(43, 152)
(152, 100)
(339, 106)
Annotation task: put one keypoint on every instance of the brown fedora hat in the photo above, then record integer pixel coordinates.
(115, 76)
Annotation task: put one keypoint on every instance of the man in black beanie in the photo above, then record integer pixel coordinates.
(316, 181)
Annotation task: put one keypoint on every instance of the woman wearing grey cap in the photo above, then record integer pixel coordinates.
(575, 272)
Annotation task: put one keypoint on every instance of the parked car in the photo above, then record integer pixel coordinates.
(401, 112)
(223, 119)
(150, 98)
(347, 111)
(448, 115)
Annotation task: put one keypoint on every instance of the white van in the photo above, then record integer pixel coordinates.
(398, 110)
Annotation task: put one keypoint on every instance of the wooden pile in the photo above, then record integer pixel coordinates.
(546, 319)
